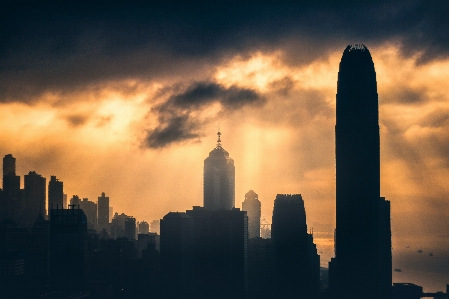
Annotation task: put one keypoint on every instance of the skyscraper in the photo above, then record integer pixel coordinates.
(362, 235)
(35, 195)
(103, 211)
(219, 179)
(252, 207)
(90, 210)
(130, 228)
(11, 182)
(178, 254)
(294, 267)
(11, 204)
(55, 194)
(221, 252)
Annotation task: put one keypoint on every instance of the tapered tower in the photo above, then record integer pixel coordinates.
(219, 179)
(361, 222)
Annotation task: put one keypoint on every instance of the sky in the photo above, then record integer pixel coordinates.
(127, 98)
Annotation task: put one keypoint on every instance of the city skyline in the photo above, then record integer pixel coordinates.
(105, 110)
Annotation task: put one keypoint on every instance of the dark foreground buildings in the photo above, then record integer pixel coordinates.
(204, 254)
(362, 264)
(296, 262)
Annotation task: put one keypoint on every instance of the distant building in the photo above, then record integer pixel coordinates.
(265, 229)
(252, 207)
(117, 227)
(144, 227)
(155, 227)
(75, 201)
(219, 179)
(90, 209)
(11, 205)
(111, 213)
(130, 228)
(35, 196)
(294, 257)
(103, 211)
(55, 194)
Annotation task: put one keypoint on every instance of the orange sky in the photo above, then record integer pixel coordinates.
(93, 142)
(127, 99)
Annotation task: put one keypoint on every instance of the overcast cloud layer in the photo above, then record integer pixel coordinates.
(60, 45)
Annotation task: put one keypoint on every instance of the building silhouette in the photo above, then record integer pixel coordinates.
(11, 203)
(221, 250)
(130, 228)
(75, 200)
(55, 193)
(68, 247)
(295, 262)
(35, 196)
(178, 255)
(363, 237)
(252, 207)
(219, 179)
(144, 227)
(90, 210)
(103, 211)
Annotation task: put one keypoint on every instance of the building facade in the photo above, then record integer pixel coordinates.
(252, 207)
(219, 179)
(35, 196)
(103, 211)
(295, 264)
(363, 237)
(55, 194)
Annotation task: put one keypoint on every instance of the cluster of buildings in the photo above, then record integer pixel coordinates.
(215, 250)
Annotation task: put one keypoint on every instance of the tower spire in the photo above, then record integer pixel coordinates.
(218, 134)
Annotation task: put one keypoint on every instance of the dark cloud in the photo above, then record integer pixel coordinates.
(176, 116)
(57, 45)
(406, 95)
(175, 129)
(77, 120)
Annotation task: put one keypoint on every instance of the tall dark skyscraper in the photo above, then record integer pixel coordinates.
(35, 195)
(219, 179)
(294, 266)
(11, 182)
(363, 237)
(103, 211)
(252, 207)
(9, 165)
(11, 203)
(55, 194)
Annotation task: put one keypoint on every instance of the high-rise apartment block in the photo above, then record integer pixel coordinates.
(55, 194)
(130, 228)
(144, 227)
(35, 196)
(11, 204)
(219, 179)
(90, 209)
(103, 211)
